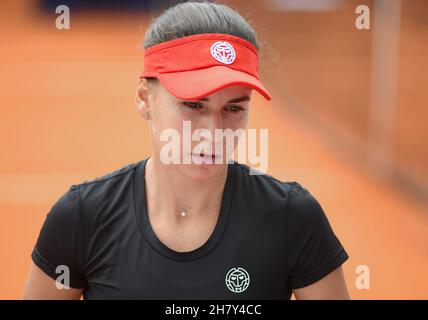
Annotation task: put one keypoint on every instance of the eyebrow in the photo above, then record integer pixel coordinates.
(236, 100)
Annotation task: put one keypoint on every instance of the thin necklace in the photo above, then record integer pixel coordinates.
(184, 211)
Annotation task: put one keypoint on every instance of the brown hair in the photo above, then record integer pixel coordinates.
(197, 17)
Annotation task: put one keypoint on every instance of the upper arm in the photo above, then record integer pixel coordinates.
(331, 287)
(41, 286)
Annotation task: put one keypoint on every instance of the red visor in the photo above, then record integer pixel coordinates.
(195, 66)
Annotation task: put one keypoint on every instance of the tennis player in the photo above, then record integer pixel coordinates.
(156, 230)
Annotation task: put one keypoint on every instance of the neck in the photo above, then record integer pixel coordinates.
(169, 192)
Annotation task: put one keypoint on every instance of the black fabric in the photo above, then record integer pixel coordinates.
(275, 231)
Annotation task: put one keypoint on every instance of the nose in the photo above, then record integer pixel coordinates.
(210, 123)
(213, 121)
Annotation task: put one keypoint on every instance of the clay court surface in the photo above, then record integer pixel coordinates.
(68, 114)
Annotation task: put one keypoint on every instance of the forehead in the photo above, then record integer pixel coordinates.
(231, 92)
(227, 93)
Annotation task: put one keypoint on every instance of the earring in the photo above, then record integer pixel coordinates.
(146, 115)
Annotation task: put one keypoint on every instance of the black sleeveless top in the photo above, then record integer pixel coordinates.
(270, 237)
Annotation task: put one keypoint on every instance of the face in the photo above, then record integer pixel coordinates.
(191, 127)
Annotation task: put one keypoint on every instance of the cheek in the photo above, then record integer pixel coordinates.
(236, 121)
(166, 116)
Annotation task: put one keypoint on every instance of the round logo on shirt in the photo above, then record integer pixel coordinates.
(223, 52)
(237, 280)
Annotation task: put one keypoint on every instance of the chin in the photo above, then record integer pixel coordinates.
(201, 172)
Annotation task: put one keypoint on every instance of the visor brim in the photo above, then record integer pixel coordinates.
(198, 84)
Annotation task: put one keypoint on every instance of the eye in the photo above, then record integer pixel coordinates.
(192, 105)
(234, 108)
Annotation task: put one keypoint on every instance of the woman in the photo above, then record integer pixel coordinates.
(199, 226)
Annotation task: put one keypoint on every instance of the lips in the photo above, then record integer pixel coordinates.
(206, 157)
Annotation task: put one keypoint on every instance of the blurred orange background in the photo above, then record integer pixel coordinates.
(347, 121)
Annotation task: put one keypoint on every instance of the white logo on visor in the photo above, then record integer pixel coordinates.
(223, 52)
